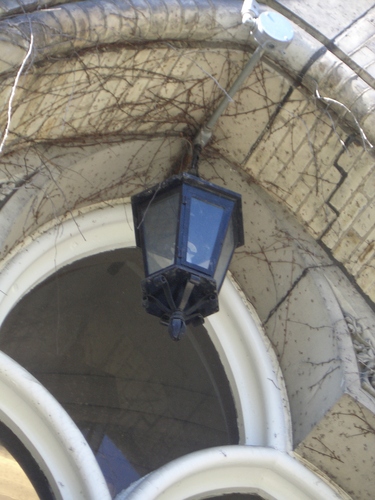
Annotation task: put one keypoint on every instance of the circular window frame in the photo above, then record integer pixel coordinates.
(232, 469)
(52, 438)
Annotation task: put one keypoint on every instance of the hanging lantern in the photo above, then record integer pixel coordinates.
(188, 230)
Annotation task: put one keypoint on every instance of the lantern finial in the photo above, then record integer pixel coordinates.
(177, 325)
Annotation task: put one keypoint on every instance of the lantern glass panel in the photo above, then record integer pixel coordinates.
(225, 256)
(205, 220)
(160, 232)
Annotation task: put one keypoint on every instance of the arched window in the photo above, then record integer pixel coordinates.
(139, 399)
(70, 314)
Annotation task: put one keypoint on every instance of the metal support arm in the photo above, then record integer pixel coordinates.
(272, 31)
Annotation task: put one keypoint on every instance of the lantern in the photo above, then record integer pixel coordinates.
(187, 229)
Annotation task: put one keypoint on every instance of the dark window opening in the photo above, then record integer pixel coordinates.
(140, 399)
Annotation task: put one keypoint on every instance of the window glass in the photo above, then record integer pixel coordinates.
(140, 399)
(160, 232)
(204, 224)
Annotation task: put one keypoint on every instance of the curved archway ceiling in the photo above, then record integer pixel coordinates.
(152, 99)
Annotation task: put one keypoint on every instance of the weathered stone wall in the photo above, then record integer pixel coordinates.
(90, 76)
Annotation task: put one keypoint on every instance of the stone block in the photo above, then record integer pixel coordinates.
(365, 279)
(363, 57)
(319, 223)
(357, 177)
(350, 211)
(298, 195)
(371, 70)
(363, 254)
(366, 221)
(338, 15)
(346, 247)
(356, 36)
(271, 170)
(342, 446)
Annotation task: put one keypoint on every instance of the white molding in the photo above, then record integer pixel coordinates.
(253, 372)
(237, 335)
(228, 469)
(248, 359)
(48, 432)
(59, 243)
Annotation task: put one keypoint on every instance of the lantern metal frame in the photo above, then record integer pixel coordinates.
(185, 292)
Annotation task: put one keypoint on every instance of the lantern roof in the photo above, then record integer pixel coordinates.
(174, 182)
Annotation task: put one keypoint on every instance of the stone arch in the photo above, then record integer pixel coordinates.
(72, 151)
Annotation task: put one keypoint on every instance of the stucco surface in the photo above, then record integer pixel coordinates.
(329, 17)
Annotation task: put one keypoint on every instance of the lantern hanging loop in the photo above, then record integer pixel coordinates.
(197, 149)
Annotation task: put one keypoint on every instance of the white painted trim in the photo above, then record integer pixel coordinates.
(59, 243)
(48, 432)
(253, 372)
(245, 352)
(228, 469)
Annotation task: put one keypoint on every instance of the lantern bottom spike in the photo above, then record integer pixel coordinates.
(177, 325)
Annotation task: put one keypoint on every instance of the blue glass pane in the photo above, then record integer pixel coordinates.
(116, 468)
(204, 224)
